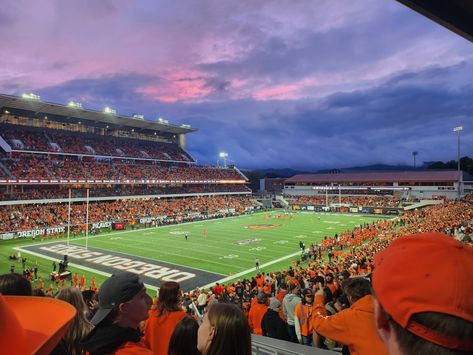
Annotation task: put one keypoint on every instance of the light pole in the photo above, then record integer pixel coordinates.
(414, 154)
(224, 156)
(458, 130)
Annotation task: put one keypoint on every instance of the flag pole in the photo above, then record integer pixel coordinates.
(87, 221)
(68, 221)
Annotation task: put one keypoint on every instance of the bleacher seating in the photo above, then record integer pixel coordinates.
(50, 140)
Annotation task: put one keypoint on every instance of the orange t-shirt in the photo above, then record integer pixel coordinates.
(159, 329)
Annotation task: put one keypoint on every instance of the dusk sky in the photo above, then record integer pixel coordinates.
(305, 84)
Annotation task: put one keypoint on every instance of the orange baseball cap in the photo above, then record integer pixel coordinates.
(426, 272)
(32, 325)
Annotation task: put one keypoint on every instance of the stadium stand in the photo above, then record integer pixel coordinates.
(42, 164)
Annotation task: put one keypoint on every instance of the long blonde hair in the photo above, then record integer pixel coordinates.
(79, 326)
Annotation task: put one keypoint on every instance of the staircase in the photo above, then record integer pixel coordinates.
(422, 203)
(282, 201)
(5, 169)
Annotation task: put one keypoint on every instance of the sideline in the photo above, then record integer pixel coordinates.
(234, 276)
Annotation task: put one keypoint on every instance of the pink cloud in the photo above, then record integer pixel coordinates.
(284, 91)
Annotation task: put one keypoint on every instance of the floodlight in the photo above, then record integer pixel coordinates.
(109, 110)
(223, 155)
(458, 129)
(31, 96)
(74, 104)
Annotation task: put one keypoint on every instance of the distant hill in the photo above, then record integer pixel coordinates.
(374, 167)
(286, 173)
(276, 173)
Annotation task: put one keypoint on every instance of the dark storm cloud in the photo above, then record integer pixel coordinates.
(381, 124)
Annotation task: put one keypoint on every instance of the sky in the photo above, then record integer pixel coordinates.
(303, 84)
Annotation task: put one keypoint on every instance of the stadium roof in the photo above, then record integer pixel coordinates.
(456, 15)
(401, 176)
(38, 108)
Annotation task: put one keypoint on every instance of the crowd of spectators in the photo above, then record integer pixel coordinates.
(51, 140)
(62, 192)
(43, 167)
(355, 201)
(323, 299)
(331, 278)
(34, 216)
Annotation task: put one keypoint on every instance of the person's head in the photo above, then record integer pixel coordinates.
(123, 301)
(80, 326)
(224, 330)
(169, 298)
(329, 278)
(292, 287)
(274, 304)
(38, 293)
(423, 295)
(184, 338)
(262, 298)
(356, 288)
(307, 296)
(14, 284)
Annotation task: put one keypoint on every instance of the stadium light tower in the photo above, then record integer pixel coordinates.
(414, 154)
(224, 156)
(458, 129)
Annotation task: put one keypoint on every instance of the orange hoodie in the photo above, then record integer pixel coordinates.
(255, 316)
(159, 329)
(353, 326)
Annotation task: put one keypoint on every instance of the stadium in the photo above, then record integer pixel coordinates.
(87, 194)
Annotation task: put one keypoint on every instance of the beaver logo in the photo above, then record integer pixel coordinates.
(261, 226)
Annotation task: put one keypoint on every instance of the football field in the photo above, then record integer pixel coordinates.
(214, 250)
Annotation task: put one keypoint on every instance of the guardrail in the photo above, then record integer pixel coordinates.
(268, 346)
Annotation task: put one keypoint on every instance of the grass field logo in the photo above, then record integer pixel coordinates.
(178, 232)
(247, 241)
(261, 226)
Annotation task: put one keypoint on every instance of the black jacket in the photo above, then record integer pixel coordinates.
(273, 326)
(106, 339)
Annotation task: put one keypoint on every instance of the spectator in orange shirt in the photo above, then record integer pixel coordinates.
(353, 326)
(302, 318)
(163, 320)
(82, 282)
(257, 312)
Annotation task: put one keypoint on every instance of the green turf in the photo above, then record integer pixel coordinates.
(218, 252)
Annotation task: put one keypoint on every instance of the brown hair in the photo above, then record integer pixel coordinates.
(411, 344)
(356, 288)
(169, 297)
(232, 331)
(79, 326)
(14, 284)
(184, 338)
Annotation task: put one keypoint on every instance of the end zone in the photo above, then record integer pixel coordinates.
(152, 272)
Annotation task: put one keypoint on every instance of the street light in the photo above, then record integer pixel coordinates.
(414, 154)
(458, 130)
(224, 156)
